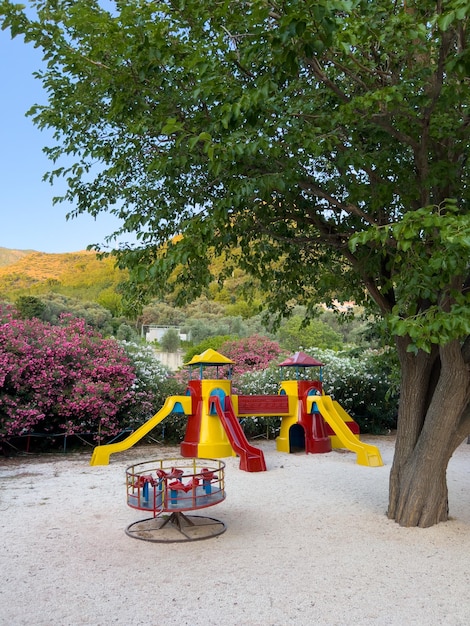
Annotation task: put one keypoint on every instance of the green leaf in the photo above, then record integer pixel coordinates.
(445, 20)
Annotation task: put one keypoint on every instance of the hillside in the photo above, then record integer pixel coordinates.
(84, 276)
(8, 257)
(77, 274)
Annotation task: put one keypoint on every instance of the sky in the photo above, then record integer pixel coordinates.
(28, 218)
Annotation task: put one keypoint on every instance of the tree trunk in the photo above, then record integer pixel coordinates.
(429, 430)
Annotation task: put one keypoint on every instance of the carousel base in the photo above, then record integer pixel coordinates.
(176, 528)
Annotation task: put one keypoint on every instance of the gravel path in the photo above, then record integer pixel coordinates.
(307, 542)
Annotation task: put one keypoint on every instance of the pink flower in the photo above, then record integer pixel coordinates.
(61, 378)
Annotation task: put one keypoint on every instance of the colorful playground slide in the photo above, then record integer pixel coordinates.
(101, 454)
(251, 458)
(335, 416)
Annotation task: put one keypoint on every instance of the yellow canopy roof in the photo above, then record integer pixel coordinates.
(210, 357)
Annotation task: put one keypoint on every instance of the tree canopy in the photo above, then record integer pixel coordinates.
(319, 145)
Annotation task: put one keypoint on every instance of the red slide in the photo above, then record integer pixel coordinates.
(251, 458)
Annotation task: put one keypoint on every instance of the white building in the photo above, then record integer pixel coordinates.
(153, 332)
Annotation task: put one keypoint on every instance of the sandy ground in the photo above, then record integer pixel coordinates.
(307, 542)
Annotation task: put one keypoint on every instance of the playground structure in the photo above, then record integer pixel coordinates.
(174, 487)
(310, 420)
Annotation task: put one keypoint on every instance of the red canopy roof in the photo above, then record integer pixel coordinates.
(300, 359)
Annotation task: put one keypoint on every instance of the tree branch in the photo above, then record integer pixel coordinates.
(352, 209)
(384, 303)
(321, 76)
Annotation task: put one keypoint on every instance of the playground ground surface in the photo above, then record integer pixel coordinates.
(307, 542)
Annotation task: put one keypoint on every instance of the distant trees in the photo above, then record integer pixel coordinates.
(112, 300)
(170, 341)
(162, 314)
(51, 306)
(201, 329)
(29, 307)
(215, 343)
(205, 320)
(293, 333)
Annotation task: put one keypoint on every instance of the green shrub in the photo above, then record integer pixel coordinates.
(152, 377)
(366, 386)
(211, 342)
(171, 430)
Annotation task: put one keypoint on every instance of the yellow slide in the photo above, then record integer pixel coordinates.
(366, 454)
(101, 454)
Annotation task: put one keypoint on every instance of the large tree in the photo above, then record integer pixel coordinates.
(321, 145)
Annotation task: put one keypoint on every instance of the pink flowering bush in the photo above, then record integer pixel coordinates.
(251, 354)
(62, 379)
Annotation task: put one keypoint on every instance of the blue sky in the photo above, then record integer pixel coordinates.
(28, 219)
